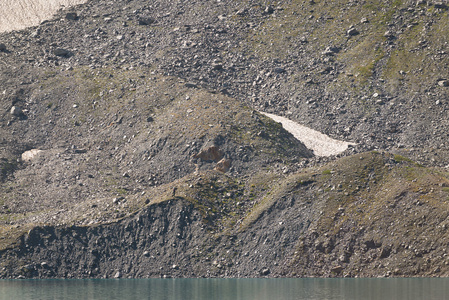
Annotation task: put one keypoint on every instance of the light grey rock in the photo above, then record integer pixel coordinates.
(443, 83)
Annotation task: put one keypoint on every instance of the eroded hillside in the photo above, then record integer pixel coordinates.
(131, 143)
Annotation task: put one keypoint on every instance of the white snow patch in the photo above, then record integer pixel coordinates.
(19, 14)
(321, 144)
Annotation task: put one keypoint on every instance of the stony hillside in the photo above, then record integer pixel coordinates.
(132, 143)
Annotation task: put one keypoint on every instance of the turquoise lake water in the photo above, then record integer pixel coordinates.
(248, 289)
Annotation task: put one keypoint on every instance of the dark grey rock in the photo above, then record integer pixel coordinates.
(265, 272)
(146, 21)
(190, 85)
(352, 32)
(269, 10)
(62, 52)
(72, 16)
(279, 70)
(16, 111)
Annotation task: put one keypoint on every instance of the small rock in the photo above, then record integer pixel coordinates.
(223, 165)
(439, 4)
(2, 47)
(71, 16)
(212, 153)
(264, 272)
(117, 200)
(16, 111)
(443, 82)
(61, 52)
(279, 70)
(269, 10)
(217, 66)
(364, 20)
(118, 274)
(146, 21)
(337, 269)
(175, 267)
(30, 154)
(352, 32)
(330, 51)
(242, 12)
(146, 253)
(389, 35)
(385, 252)
(190, 85)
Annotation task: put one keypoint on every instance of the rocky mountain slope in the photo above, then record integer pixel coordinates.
(131, 143)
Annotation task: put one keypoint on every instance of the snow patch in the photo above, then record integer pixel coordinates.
(321, 144)
(19, 14)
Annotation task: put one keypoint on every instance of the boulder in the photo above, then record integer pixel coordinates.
(71, 16)
(30, 154)
(223, 165)
(62, 52)
(213, 153)
(146, 21)
(16, 111)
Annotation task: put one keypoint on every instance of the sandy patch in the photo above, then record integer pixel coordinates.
(321, 144)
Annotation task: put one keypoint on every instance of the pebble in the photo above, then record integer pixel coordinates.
(2, 47)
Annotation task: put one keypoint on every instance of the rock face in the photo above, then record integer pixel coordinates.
(18, 14)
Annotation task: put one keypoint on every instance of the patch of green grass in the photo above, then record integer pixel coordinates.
(326, 172)
(399, 158)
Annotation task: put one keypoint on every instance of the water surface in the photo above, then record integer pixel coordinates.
(245, 289)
